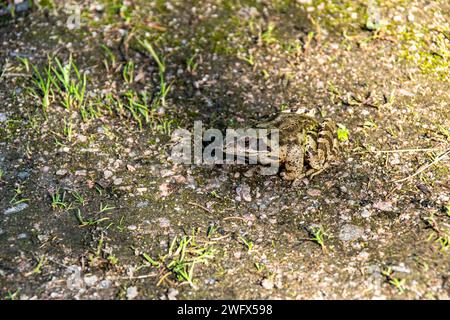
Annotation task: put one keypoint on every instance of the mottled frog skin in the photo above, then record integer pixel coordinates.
(306, 145)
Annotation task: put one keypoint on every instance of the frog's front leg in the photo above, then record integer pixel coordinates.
(293, 162)
(311, 173)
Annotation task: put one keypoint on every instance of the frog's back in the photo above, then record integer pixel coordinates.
(290, 125)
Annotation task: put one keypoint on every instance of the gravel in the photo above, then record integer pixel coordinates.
(20, 207)
(350, 232)
(132, 293)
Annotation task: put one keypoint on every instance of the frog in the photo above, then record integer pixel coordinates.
(305, 147)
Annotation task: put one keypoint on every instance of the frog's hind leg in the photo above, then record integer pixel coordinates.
(327, 141)
(293, 162)
(325, 148)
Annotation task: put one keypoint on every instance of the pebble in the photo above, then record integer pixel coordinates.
(105, 284)
(395, 160)
(74, 281)
(90, 280)
(383, 206)
(401, 268)
(164, 189)
(61, 172)
(350, 232)
(81, 173)
(23, 175)
(267, 284)
(249, 173)
(82, 138)
(107, 174)
(3, 117)
(132, 293)
(142, 204)
(118, 181)
(180, 179)
(141, 190)
(365, 213)
(313, 192)
(18, 208)
(243, 193)
(172, 294)
(164, 223)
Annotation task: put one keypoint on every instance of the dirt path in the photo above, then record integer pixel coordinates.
(91, 205)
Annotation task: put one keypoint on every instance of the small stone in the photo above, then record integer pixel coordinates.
(395, 160)
(406, 93)
(117, 164)
(141, 190)
(365, 213)
(164, 223)
(90, 280)
(165, 189)
(81, 173)
(132, 227)
(23, 175)
(314, 192)
(401, 268)
(3, 117)
(142, 204)
(166, 173)
(105, 284)
(350, 232)
(267, 284)
(107, 174)
(132, 293)
(250, 172)
(74, 281)
(243, 192)
(118, 181)
(61, 172)
(172, 294)
(82, 138)
(180, 179)
(18, 208)
(383, 206)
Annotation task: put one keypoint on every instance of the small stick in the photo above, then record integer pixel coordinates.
(220, 238)
(237, 218)
(408, 150)
(200, 206)
(139, 277)
(402, 150)
(163, 278)
(425, 167)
